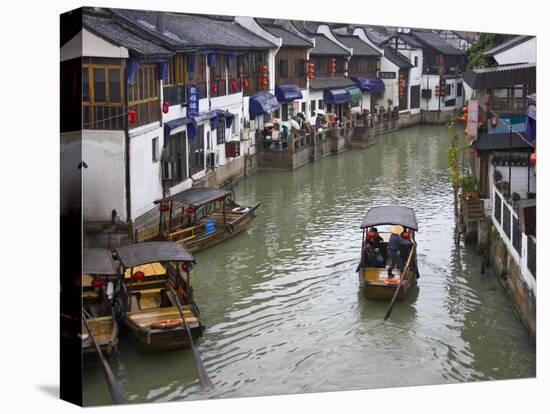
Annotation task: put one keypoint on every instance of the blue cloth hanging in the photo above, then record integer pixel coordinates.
(229, 61)
(163, 70)
(132, 68)
(211, 59)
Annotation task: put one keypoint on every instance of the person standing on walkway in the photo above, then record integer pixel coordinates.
(395, 244)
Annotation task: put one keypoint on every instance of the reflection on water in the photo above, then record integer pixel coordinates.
(281, 301)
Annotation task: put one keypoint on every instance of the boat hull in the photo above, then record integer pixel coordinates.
(374, 284)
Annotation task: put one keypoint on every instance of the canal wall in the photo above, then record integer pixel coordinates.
(521, 294)
(436, 117)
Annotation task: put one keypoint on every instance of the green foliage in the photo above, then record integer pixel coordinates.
(486, 42)
(468, 184)
(452, 155)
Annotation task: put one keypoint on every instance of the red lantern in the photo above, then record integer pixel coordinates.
(214, 88)
(494, 122)
(263, 68)
(139, 275)
(132, 117)
(97, 283)
(464, 109)
(165, 107)
(187, 267)
(245, 83)
(533, 159)
(189, 210)
(232, 85)
(164, 207)
(436, 90)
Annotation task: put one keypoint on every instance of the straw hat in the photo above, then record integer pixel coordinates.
(397, 229)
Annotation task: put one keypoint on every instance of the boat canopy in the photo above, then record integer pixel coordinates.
(390, 215)
(150, 252)
(98, 262)
(196, 196)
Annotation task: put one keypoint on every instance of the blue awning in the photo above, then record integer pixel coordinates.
(373, 85)
(288, 93)
(261, 103)
(173, 124)
(226, 114)
(335, 96)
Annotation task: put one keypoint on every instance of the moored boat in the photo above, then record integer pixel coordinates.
(158, 292)
(99, 284)
(373, 269)
(199, 218)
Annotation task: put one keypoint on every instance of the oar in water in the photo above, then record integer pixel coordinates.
(394, 298)
(114, 388)
(206, 383)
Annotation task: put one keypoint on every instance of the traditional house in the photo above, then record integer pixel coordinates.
(409, 48)
(111, 124)
(460, 40)
(219, 64)
(442, 68)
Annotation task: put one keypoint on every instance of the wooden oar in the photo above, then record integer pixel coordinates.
(206, 383)
(112, 383)
(388, 312)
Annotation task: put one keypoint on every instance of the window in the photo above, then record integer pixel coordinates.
(459, 89)
(284, 112)
(321, 104)
(283, 68)
(220, 133)
(448, 90)
(174, 90)
(174, 159)
(196, 151)
(416, 61)
(143, 95)
(235, 126)
(72, 95)
(102, 96)
(303, 110)
(312, 107)
(198, 77)
(155, 149)
(217, 77)
(300, 67)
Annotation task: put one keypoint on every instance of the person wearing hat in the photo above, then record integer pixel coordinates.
(396, 244)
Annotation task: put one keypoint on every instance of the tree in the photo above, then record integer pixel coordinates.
(486, 42)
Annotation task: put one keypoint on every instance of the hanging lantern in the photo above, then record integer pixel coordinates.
(233, 86)
(214, 88)
(464, 109)
(263, 68)
(533, 159)
(437, 93)
(164, 207)
(96, 283)
(139, 275)
(245, 83)
(165, 107)
(494, 122)
(132, 117)
(187, 267)
(189, 210)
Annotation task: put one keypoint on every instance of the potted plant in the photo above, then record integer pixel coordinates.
(468, 184)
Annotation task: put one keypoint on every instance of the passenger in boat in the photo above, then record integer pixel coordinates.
(374, 249)
(396, 245)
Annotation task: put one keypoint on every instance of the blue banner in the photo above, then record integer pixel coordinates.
(192, 100)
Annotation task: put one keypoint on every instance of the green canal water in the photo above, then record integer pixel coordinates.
(281, 301)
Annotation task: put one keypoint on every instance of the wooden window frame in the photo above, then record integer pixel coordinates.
(91, 104)
(146, 86)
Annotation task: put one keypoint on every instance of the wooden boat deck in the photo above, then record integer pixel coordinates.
(104, 331)
(379, 275)
(144, 318)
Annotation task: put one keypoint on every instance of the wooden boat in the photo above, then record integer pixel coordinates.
(98, 295)
(199, 218)
(157, 287)
(374, 280)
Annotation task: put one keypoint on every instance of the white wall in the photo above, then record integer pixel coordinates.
(391, 85)
(314, 95)
(145, 175)
(429, 82)
(525, 52)
(88, 44)
(103, 182)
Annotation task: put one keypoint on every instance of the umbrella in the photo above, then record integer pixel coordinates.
(319, 112)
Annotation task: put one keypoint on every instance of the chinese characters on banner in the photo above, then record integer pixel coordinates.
(192, 100)
(473, 119)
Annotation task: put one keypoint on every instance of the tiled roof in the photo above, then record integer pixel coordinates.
(407, 38)
(105, 27)
(327, 82)
(397, 58)
(507, 45)
(325, 46)
(375, 36)
(501, 76)
(360, 48)
(289, 39)
(185, 30)
(433, 40)
(495, 142)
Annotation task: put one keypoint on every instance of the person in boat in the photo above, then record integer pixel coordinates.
(373, 249)
(396, 245)
(406, 250)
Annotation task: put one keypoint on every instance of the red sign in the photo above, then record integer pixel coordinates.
(473, 119)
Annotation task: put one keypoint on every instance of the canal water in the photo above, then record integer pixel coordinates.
(281, 301)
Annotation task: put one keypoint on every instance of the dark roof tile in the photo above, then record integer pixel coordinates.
(289, 39)
(328, 82)
(431, 39)
(397, 58)
(325, 46)
(360, 48)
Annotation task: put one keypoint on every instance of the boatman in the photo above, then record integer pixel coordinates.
(395, 244)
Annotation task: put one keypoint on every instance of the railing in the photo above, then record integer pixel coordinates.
(521, 247)
(294, 142)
